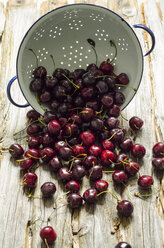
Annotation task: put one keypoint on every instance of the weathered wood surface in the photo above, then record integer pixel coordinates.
(20, 218)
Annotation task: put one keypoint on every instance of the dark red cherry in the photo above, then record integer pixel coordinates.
(95, 173)
(158, 149)
(76, 119)
(122, 78)
(59, 144)
(33, 153)
(34, 142)
(103, 135)
(158, 163)
(78, 149)
(125, 208)
(108, 145)
(74, 200)
(119, 177)
(93, 104)
(30, 179)
(132, 168)
(36, 85)
(97, 124)
(65, 152)
(58, 73)
(106, 67)
(88, 92)
(90, 196)
(88, 78)
(49, 116)
(117, 134)
(135, 123)
(114, 111)
(145, 181)
(107, 157)
(102, 87)
(47, 140)
(101, 185)
(112, 122)
(48, 189)
(107, 100)
(32, 115)
(33, 129)
(16, 150)
(55, 163)
(95, 150)
(70, 129)
(50, 82)
(87, 114)
(40, 72)
(45, 97)
(48, 234)
(126, 145)
(72, 186)
(54, 127)
(111, 81)
(64, 174)
(123, 245)
(26, 163)
(121, 160)
(91, 67)
(46, 154)
(87, 138)
(78, 172)
(138, 151)
(90, 161)
(119, 98)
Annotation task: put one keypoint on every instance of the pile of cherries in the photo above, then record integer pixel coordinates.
(81, 136)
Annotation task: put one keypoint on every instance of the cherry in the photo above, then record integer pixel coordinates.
(48, 234)
(126, 145)
(108, 145)
(64, 174)
(65, 83)
(53, 127)
(111, 81)
(102, 87)
(30, 179)
(119, 177)
(46, 154)
(73, 141)
(72, 186)
(89, 161)
(77, 161)
(62, 121)
(107, 157)
(65, 152)
(132, 168)
(87, 138)
(138, 151)
(34, 142)
(122, 78)
(16, 150)
(88, 78)
(48, 116)
(26, 163)
(47, 140)
(123, 245)
(106, 67)
(40, 72)
(59, 144)
(125, 208)
(54, 104)
(121, 160)
(78, 149)
(79, 83)
(107, 100)
(112, 122)
(91, 67)
(78, 101)
(135, 123)
(55, 164)
(59, 92)
(97, 124)
(76, 119)
(78, 172)
(32, 115)
(158, 149)
(101, 185)
(58, 73)
(90, 196)
(33, 153)
(75, 200)
(45, 97)
(36, 85)
(93, 104)
(95, 150)
(70, 129)
(95, 173)
(119, 98)
(117, 134)
(103, 135)
(145, 181)
(114, 111)
(64, 109)
(48, 189)
(33, 129)
(50, 82)
(87, 114)
(158, 163)
(88, 92)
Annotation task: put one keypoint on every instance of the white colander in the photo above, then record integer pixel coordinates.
(63, 33)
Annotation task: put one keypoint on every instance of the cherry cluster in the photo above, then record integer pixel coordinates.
(81, 136)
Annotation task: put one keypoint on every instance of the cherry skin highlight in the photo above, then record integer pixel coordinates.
(145, 181)
(47, 233)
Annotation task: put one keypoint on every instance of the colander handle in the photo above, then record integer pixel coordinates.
(9, 94)
(151, 34)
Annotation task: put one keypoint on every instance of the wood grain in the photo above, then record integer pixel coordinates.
(92, 226)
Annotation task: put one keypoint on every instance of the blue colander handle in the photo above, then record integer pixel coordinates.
(9, 94)
(151, 34)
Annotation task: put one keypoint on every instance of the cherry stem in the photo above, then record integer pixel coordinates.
(42, 122)
(128, 86)
(95, 53)
(29, 155)
(92, 169)
(34, 55)
(71, 81)
(99, 112)
(113, 45)
(105, 112)
(53, 60)
(68, 144)
(108, 191)
(20, 160)
(45, 240)
(108, 171)
(25, 127)
(106, 76)
(75, 108)
(136, 126)
(38, 101)
(70, 168)
(112, 135)
(123, 117)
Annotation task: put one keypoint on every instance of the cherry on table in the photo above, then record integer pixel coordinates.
(158, 149)
(33, 153)
(126, 144)
(89, 161)
(47, 140)
(90, 196)
(78, 172)
(135, 123)
(119, 177)
(26, 163)
(138, 151)
(30, 179)
(65, 152)
(101, 185)
(55, 163)
(145, 181)
(108, 145)
(74, 200)
(125, 208)
(107, 157)
(46, 154)
(94, 150)
(158, 163)
(117, 134)
(34, 142)
(87, 138)
(48, 189)
(78, 149)
(121, 160)
(32, 115)
(54, 127)
(48, 234)
(64, 174)
(33, 129)
(97, 124)
(16, 150)
(72, 186)
(123, 245)
(95, 173)
(132, 168)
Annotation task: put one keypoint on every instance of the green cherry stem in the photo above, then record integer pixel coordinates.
(108, 191)
(113, 45)
(30, 49)
(45, 240)
(71, 81)
(53, 60)
(128, 86)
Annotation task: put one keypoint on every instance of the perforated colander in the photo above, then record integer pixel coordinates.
(63, 33)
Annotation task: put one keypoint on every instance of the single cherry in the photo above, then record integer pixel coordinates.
(55, 163)
(106, 67)
(54, 127)
(48, 234)
(74, 200)
(135, 123)
(112, 122)
(65, 152)
(26, 163)
(158, 149)
(78, 149)
(107, 157)
(16, 150)
(101, 185)
(119, 177)
(132, 168)
(90, 161)
(108, 145)
(46, 154)
(138, 151)
(125, 208)
(145, 181)
(126, 145)
(78, 172)
(34, 142)
(90, 196)
(95, 173)
(123, 245)
(48, 189)
(158, 163)
(95, 150)
(64, 174)
(122, 78)
(32, 115)
(59, 144)
(30, 179)
(72, 186)
(87, 138)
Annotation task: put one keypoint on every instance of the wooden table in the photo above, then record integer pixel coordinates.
(21, 218)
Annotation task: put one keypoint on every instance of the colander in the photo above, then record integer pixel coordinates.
(63, 33)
